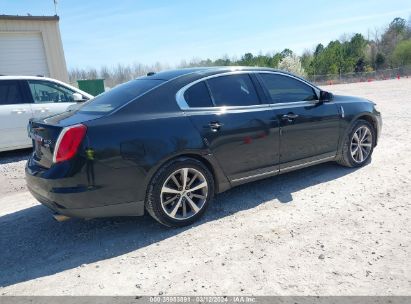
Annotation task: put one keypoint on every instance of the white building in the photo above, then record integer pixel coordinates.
(31, 45)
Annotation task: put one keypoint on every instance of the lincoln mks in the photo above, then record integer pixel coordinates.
(166, 143)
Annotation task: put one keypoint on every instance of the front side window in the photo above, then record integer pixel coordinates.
(10, 92)
(48, 92)
(233, 90)
(198, 96)
(283, 88)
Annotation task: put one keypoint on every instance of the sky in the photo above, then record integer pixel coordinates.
(107, 32)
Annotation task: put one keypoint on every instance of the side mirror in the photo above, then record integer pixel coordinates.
(78, 97)
(326, 96)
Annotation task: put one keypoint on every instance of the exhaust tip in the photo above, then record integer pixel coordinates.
(60, 217)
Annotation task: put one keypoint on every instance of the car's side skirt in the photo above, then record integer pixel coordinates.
(283, 168)
(255, 175)
(306, 162)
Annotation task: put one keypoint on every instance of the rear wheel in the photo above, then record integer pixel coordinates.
(180, 192)
(358, 144)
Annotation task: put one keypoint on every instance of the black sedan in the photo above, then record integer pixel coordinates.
(169, 141)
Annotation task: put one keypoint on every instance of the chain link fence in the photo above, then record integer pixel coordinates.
(125, 73)
(401, 72)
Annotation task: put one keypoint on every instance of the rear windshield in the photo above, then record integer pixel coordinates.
(120, 95)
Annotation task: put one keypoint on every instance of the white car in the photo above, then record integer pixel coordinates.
(25, 97)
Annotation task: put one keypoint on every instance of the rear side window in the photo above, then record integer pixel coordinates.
(120, 95)
(10, 92)
(198, 96)
(283, 88)
(233, 90)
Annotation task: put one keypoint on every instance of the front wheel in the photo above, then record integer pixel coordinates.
(358, 144)
(180, 193)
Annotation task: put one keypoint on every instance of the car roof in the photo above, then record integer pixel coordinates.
(15, 77)
(213, 70)
(171, 74)
(46, 79)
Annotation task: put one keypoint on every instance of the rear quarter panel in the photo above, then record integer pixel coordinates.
(133, 143)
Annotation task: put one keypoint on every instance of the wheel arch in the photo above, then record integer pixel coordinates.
(221, 182)
(367, 116)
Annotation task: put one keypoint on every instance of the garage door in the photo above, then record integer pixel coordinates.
(22, 54)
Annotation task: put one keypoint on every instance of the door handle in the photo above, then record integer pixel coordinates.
(289, 117)
(215, 126)
(18, 111)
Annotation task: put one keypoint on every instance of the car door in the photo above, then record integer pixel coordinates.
(49, 98)
(241, 132)
(309, 130)
(15, 113)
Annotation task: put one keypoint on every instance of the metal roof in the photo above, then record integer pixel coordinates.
(31, 18)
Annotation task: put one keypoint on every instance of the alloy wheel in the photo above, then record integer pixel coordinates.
(361, 144)
(184, 193)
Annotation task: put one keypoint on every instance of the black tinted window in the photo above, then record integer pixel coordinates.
(233, 90)
(287, 89)
(120, 95)
(198, 96)
(10, 92)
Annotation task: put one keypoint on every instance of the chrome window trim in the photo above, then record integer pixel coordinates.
(185, 107)
(231, 109)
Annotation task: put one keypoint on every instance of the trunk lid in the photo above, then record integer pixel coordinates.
(45, 132)
(44, 138)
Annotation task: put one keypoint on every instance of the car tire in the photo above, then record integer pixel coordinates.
(358, 144)
(174, 198)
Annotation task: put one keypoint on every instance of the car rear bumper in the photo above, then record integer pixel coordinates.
(76, 200)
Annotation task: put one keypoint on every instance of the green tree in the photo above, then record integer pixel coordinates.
(395, 33)
(360, 65)
(356, 46)
(306, 61)
(247, 59)
(330, 60)
(318, 50)
(379, 61)
(398, 25)
(402, 53)
(286, 52)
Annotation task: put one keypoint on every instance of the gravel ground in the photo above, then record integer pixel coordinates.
(324, 230)
(12, 171)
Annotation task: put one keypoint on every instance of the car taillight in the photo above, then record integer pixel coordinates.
(68, 142)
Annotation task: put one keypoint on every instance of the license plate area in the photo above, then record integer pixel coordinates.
(37, 148)
(43, 138)
(41, 146)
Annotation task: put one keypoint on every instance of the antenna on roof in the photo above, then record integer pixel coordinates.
(151, 73)
(55, 7)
